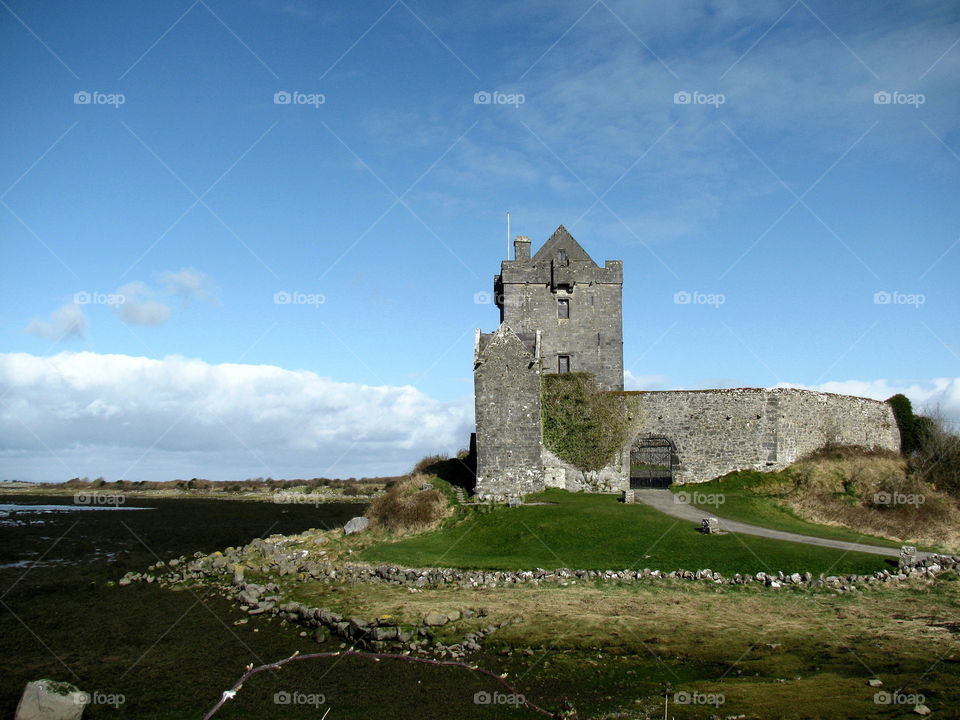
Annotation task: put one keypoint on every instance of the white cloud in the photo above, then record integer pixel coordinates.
(140, 418)
(66, 322)
(138, 309)
(189, 284)
(643, 382)
(937, 395)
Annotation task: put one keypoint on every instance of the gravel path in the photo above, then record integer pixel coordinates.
(666, 502)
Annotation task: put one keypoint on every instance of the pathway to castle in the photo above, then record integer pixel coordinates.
(665, 501)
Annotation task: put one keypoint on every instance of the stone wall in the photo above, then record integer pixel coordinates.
(809, 419)
(719, 431)
(507, 395)
(715, 432)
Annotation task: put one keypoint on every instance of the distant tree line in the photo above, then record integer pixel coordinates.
(349, 486)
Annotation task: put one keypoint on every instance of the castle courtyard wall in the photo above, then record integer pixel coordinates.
(715, 432)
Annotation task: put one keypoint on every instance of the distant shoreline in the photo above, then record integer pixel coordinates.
(280, 497)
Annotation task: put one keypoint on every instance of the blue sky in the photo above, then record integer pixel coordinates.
(812, 225)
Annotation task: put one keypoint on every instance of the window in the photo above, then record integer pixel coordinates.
(563, 257)
(563, 363)
(563, 309)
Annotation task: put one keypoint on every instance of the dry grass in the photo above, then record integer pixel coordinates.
(406, 508)
(873, 492)
(637, 618)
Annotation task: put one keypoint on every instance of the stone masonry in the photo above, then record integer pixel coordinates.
(574, 303)
(506, 365)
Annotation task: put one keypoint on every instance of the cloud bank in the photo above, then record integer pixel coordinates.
(136, 418)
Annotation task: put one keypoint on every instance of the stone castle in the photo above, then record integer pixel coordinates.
(561, 312)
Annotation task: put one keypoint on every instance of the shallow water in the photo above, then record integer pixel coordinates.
(20, 508)
(61, 616)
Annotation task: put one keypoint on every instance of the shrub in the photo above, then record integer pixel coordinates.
(912, 427)
(405, 507)
(937, 456)
(873, 491)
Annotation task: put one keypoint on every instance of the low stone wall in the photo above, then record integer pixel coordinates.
(274, 558)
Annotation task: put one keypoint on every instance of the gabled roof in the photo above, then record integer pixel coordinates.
(561, 239)
(520, 343)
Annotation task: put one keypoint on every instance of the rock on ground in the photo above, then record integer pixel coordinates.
(50, 700)
(355, 525)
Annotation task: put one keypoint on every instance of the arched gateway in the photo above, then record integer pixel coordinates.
(652, 460)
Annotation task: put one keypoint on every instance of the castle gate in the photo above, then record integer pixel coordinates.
(652, 460)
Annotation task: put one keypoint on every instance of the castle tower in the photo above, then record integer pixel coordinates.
(574, 303)
(559, 312)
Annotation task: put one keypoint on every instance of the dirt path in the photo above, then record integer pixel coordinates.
(666, 502)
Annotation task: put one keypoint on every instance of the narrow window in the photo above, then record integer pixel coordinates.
(563, 256)
(563, 363)
(563, 309)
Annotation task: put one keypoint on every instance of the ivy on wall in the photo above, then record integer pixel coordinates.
(582, 424)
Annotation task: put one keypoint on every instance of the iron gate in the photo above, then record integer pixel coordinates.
(651, 463)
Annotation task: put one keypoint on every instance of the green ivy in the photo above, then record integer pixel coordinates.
(582, 424)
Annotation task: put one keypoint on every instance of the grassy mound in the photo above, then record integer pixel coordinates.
(405, 507)
(840, 493)
(591, 531)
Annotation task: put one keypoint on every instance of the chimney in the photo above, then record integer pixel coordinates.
(521, 247)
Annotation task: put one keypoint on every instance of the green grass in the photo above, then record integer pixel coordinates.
(590, 531)
(756, 498)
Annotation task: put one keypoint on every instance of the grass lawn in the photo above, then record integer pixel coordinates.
(755, 498)
(590, 531)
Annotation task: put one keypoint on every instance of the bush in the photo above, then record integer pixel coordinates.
(912, 427)
(405, 507)
(937, 456)
(873, 491)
